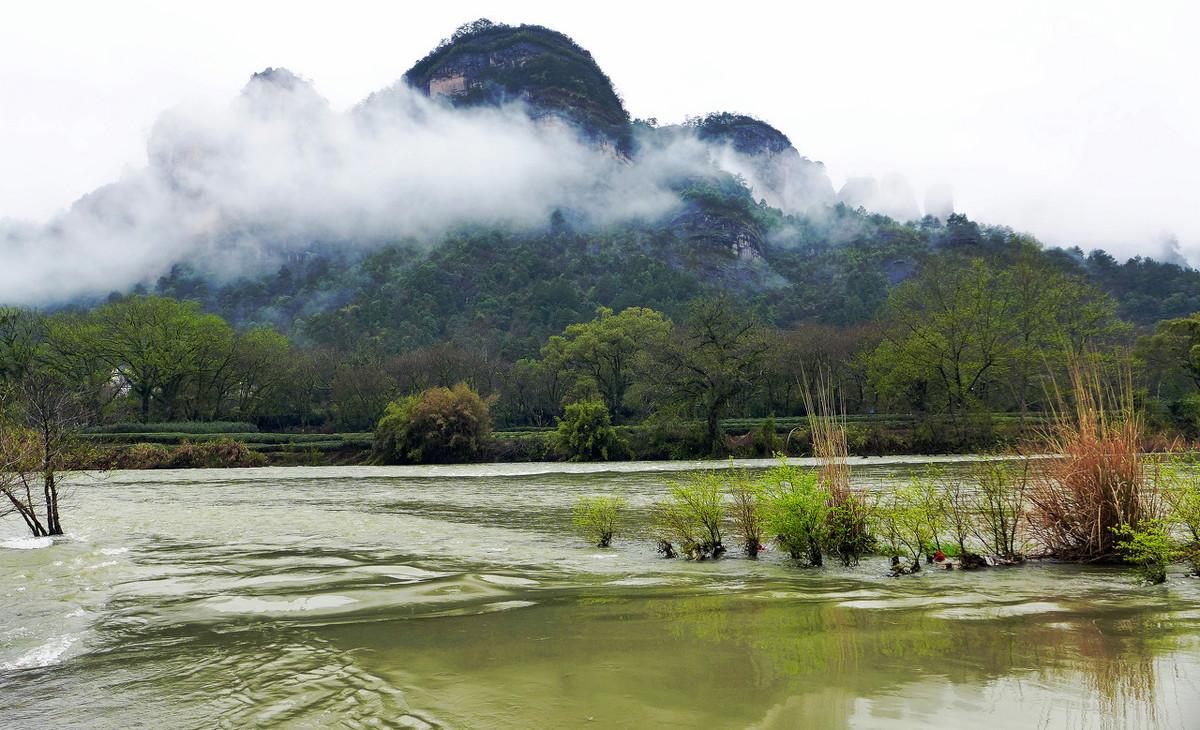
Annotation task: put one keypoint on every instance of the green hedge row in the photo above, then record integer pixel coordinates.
(224, 427)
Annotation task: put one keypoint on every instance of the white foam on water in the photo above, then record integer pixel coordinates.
(405, 573)
(114, 551)
(992, 612)
(27, 543)
(234, 604)
(506, 606)
(43, 656)
(507, 580)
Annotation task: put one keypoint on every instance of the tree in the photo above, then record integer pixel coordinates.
(440, 425)
(704, 365)
(45, 415)
(949, 335)
(586, 433)
(1171, 355)
(602, 352)
(155, 344)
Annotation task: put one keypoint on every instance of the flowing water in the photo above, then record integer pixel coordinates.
(457, 597)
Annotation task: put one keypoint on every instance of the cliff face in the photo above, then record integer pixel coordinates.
(770, 163)
(486, 63)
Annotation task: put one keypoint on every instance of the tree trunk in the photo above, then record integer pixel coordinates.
(713, 425)
(53, 526)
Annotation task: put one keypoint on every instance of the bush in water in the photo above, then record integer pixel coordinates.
(598, 518)
(1184, 501)
(903, 522)
(692, 516)
(797, 512)
(1148, 546)
(746, 499)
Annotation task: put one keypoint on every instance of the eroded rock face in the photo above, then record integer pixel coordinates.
(486, 63)
(768, 161)
(706, 228)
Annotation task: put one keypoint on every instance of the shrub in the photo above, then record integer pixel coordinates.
(767, 442)
(438, 426)
(692, 516)
(848, 532)
(746, 510)
(1148, 546)
(214, 454)
(586, 433)
(598, 518)
(999, 505)
(1184, 501)
(903, 521)
(797, 512)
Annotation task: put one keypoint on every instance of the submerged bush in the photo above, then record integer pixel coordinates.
(585, 433)
(1184, 501)
(999, 504)
(745, 508)
(797, 512)
(1148, 546)
(904, 523)
(848, 532)
(438, 426)
(691, 517)
(598, 518)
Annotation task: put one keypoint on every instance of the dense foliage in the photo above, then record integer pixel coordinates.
(439, 425)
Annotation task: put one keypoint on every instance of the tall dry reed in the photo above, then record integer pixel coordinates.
(849, 523)
(1097, 478)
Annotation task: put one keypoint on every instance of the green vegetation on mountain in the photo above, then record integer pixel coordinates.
(545, 69)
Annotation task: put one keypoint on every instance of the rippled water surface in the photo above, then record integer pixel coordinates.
(457, 597)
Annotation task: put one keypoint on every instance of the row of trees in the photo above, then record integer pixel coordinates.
(960, 338)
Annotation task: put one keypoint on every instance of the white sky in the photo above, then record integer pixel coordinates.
(1076, 121)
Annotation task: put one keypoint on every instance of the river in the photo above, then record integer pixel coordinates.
(458, 597)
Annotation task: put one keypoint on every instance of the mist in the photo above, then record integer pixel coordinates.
(234, 189)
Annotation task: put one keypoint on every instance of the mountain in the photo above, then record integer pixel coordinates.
(485, 63)
(498, 192)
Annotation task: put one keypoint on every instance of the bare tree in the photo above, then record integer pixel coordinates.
(40, 441)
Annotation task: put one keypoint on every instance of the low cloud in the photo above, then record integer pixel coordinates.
(233, 190)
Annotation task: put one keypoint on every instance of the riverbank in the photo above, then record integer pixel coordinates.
(744, 438)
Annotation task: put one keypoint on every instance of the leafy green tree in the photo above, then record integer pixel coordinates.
(602, 352)
(586, 433)
(155, 345)
(439, 425)
(22, 333)
(1171, 354)
(705, 365)
(948, 337)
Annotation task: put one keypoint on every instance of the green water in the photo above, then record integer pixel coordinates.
(456, 597)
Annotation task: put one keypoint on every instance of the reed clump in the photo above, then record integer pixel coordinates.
(1097, 481)
(847, 531)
